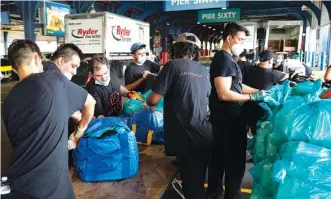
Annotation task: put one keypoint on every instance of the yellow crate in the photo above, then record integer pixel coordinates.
(6, 68)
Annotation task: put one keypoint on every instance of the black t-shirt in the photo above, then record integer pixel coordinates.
(262, 78)
(223, 65)
(280, 67)
(134, 72)
(35, 115)
(185, 86)
(244, 66)
(50, 66)
(108, 98)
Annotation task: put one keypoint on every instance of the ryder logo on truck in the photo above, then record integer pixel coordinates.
(121, 34)
(85, 33)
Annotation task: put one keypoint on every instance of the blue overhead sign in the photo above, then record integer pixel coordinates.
(176, 5)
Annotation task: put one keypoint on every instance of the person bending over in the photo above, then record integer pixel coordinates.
(35, 115)
(105, 88)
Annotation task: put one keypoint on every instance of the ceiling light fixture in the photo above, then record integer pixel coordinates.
(92, 9)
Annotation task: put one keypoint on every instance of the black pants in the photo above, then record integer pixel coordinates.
(252, 114)
(228, 157)
(193, 172)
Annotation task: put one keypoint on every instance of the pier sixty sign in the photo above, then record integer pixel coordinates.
(219, 15)
(175, 5)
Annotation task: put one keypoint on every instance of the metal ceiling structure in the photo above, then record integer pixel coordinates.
(153, 12)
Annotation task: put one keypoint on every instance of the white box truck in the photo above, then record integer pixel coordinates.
(106, 33)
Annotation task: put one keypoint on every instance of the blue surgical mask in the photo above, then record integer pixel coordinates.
(106, 83)
(141, 60)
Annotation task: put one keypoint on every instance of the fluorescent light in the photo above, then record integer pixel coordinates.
(214, 29)
(223, 8)
(209, 27)
(204, 25)
(92, 9)
(198, 22)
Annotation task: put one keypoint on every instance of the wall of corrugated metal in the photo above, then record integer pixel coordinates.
(325, 20)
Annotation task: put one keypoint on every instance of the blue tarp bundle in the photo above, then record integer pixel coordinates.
(107, 151)
(147, 120)
(132, 106)
(294, 144)
(304, 162)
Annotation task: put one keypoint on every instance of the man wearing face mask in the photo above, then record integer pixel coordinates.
(226, 101)
(262, 76)
(66, 60)
(140, 69)
(35, 115)
(105, 88)
(278, 64)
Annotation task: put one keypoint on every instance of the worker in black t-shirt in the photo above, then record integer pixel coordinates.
(65, 60)
(185, 85)
(105, 88)
(262, 76)
(140, 69)
(35, 115)
(243, 63)
(327, 76)
(226, 101)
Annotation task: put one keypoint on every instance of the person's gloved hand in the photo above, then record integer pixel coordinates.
(72, 142)
(259, 96)
(134, 95)
(265, 97)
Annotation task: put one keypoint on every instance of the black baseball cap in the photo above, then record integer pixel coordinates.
(266, 55)
(137, 46)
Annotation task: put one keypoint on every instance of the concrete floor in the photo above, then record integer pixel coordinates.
(155, 171)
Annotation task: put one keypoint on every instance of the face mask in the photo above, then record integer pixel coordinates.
(106, 83)
(68, 75)
(141, 60)
(278, 61)
(237, 49)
